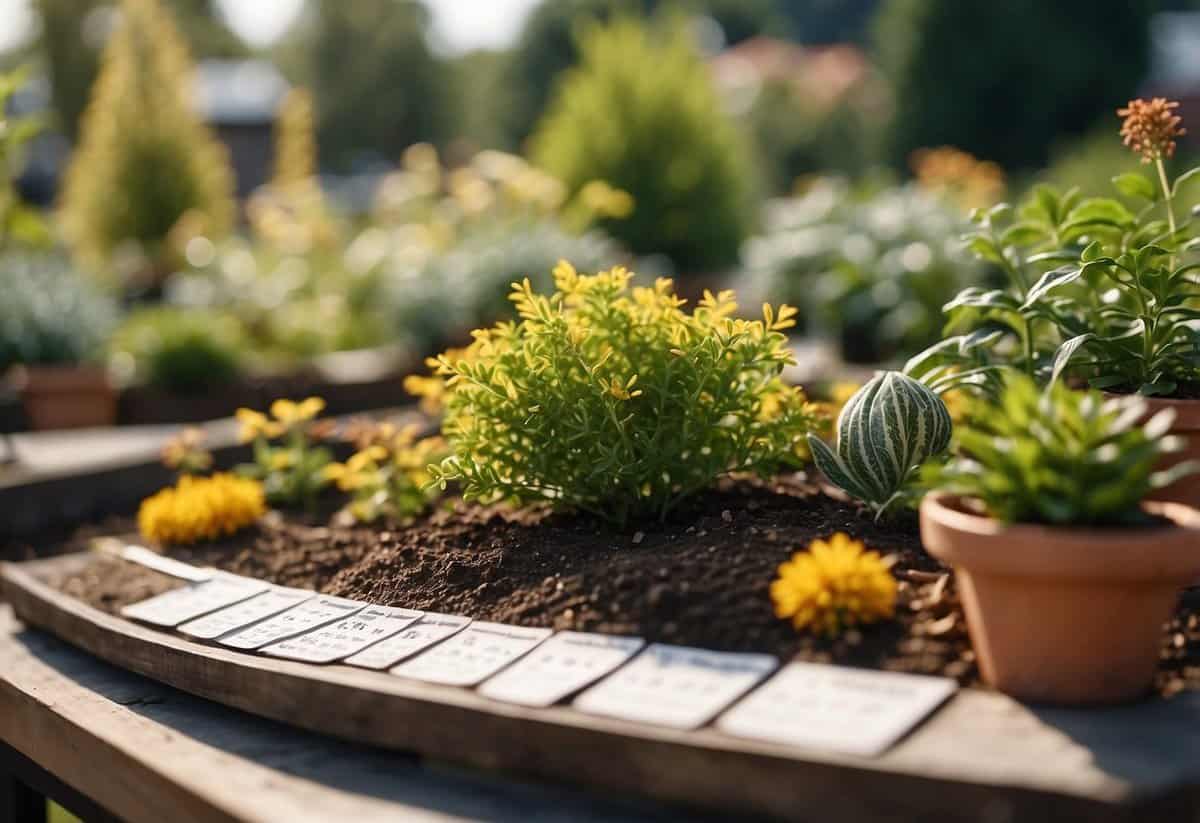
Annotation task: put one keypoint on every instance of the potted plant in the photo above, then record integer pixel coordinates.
(53, 323)
(1101, 291)
(1066, 573)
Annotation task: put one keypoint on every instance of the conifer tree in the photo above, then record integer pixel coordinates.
(295, 141)
(144, 158)
(641, 113)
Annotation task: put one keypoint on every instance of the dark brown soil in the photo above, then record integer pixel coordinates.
(700, 579)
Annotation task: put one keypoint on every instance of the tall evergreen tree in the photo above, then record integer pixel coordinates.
(377, 86)
(640, 112)
(144, 159)
(73, 33)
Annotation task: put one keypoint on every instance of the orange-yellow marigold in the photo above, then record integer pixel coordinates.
(201, 508)
(834, 585)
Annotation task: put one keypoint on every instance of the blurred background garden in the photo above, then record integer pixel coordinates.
(211, 203)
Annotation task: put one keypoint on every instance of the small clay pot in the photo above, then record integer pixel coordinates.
(1062, 615)
(67, 397)
(1187, 426)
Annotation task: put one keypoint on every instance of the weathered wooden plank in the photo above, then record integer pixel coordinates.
(982, 755)
(151, 753)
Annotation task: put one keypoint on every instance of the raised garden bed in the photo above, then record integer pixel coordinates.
(568, 572)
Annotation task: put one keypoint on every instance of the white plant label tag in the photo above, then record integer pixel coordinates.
(561, 666)
(430, 629)
(269, 603)
(676, 686)
(299, 619)
(165, 565)
(169, 609)
(346, 637)
(472, 655)
(853, 711)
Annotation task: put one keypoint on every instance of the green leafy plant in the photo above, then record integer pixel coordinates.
(886, 431)
(615, 401)
(641, 113)
(288, 460)
(179, 350)
(1058, 456)
(49, 313)
(1099, 290)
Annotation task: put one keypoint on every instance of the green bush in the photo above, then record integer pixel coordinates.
(179, 350)
(1058, 456)
(615, 401)
(49, 313)
(641, 113)
(549, 44)
(144, 159)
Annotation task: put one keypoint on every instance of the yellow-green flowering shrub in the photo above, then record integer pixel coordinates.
(616, 401)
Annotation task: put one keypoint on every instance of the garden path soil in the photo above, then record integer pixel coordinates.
(699, 579)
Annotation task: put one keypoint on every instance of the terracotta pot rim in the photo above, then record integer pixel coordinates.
(1155, 553)
(1187, 409)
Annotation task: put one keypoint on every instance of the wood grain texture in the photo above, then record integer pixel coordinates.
(982, 758)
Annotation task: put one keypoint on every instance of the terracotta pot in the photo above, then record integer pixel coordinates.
(1062, 615)
(1187, 426)
(67, 397)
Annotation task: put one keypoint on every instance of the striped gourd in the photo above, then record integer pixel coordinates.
(885, 432)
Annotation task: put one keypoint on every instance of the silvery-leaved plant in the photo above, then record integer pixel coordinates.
(885, 432)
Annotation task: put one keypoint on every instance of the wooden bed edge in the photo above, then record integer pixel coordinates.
(702, 769)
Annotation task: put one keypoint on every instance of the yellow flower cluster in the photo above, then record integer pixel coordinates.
(201, 508)
(286, 415)
(834, 585)
(389, 474)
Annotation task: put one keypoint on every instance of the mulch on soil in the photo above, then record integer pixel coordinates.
(699, 579)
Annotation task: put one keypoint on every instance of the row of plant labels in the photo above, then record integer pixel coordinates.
(808, 705)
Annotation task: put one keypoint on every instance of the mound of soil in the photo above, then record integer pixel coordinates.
(699, 579)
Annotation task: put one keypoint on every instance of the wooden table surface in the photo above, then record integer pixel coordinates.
(147, 752)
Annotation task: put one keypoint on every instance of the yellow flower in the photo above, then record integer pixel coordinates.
(252, 425)
(290, 414)
(201, 508)
(834, 585)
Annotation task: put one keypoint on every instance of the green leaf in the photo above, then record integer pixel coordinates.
(1022, 234)
(1065, 352)
(1050, 281)
(983, 248)
(1183, 178)
(976, 297)
(1101, 210)
(1132, 184)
